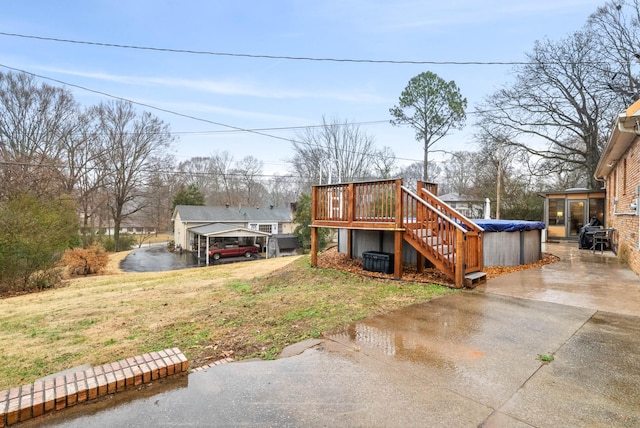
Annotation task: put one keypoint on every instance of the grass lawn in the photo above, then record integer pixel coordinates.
(245, 309)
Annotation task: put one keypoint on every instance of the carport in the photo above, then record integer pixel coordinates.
(203, 236)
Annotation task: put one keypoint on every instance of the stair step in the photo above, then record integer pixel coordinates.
(443, 249)
(471, 280)
(433, 241)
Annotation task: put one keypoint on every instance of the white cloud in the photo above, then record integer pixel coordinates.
(229, 87)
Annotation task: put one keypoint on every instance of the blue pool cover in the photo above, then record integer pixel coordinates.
(491, 225)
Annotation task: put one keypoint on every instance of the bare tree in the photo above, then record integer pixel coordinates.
(338, 149)
(460, 172)
(282, 190)
(248, 171)
(201, 172)
(414, 172)
(222, 164)
(556, 109)
(34, 119)
(384, 162)
(616, 27)
(130, 140)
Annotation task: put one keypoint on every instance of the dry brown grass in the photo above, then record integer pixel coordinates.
(105, 318)
(244, 309)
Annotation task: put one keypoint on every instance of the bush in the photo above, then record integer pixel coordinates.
(85, 261)
(126, 242)
(34, 232)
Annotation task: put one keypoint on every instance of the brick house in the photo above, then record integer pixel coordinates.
(619, 169)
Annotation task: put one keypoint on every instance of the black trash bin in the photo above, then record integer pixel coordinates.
(377, 261)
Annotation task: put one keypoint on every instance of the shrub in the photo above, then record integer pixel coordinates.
(85, 261)
(126, 242)
(34, 232)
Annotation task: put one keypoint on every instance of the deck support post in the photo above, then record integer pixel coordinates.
(461, 256)
(314, 230)
(419, 262)
(399, 231)
(314, 246)
(397, 259)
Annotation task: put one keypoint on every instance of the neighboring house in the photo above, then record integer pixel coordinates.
(619, 169)
(566, 211)
(465, 205)
(189, 220)
(136, 224)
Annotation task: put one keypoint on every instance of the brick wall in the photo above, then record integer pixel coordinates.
(621, 185)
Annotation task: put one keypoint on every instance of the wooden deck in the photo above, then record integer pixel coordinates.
(451, 242)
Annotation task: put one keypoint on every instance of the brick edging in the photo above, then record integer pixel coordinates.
(29, 401)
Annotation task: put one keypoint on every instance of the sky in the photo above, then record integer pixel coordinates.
(230, 93)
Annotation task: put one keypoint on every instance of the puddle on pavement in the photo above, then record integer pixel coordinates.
(159, 259)
(414, 334)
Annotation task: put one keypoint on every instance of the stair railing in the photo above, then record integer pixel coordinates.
(473, 232)
(435, 235)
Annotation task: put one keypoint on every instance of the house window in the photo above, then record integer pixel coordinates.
(596, 209)
(556, 212)
(265, 228)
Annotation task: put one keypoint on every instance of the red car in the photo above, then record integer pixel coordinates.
(234, 251)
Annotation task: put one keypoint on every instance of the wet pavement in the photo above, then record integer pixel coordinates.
(158, 259)
(465, 359)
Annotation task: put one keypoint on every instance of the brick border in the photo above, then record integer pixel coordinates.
(29, 401)
(213, 364)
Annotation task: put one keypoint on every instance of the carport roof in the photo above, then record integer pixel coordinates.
(222, 229)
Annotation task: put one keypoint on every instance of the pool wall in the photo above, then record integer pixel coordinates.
(510, 242)
(504, 242)
(511, 248)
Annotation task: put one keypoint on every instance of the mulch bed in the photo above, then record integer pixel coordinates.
(331, 258)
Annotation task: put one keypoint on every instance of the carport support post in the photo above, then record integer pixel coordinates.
(207, 252)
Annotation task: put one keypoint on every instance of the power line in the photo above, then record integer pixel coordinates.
(261, 56)
(148, 171)
(259, 131)
(187, 116)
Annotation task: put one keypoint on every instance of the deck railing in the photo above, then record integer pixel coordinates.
(365, 205)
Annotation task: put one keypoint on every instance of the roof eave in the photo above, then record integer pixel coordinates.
(624, 133)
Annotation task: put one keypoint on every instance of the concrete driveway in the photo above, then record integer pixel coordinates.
(467, 359)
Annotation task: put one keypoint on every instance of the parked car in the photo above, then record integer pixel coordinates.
(233, 251)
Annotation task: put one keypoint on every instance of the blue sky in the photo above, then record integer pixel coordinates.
(254, 93)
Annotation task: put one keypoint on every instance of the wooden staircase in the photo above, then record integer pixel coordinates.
(450, 241)
(447, 239)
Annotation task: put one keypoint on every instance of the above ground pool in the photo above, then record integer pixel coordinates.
(510, 242)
